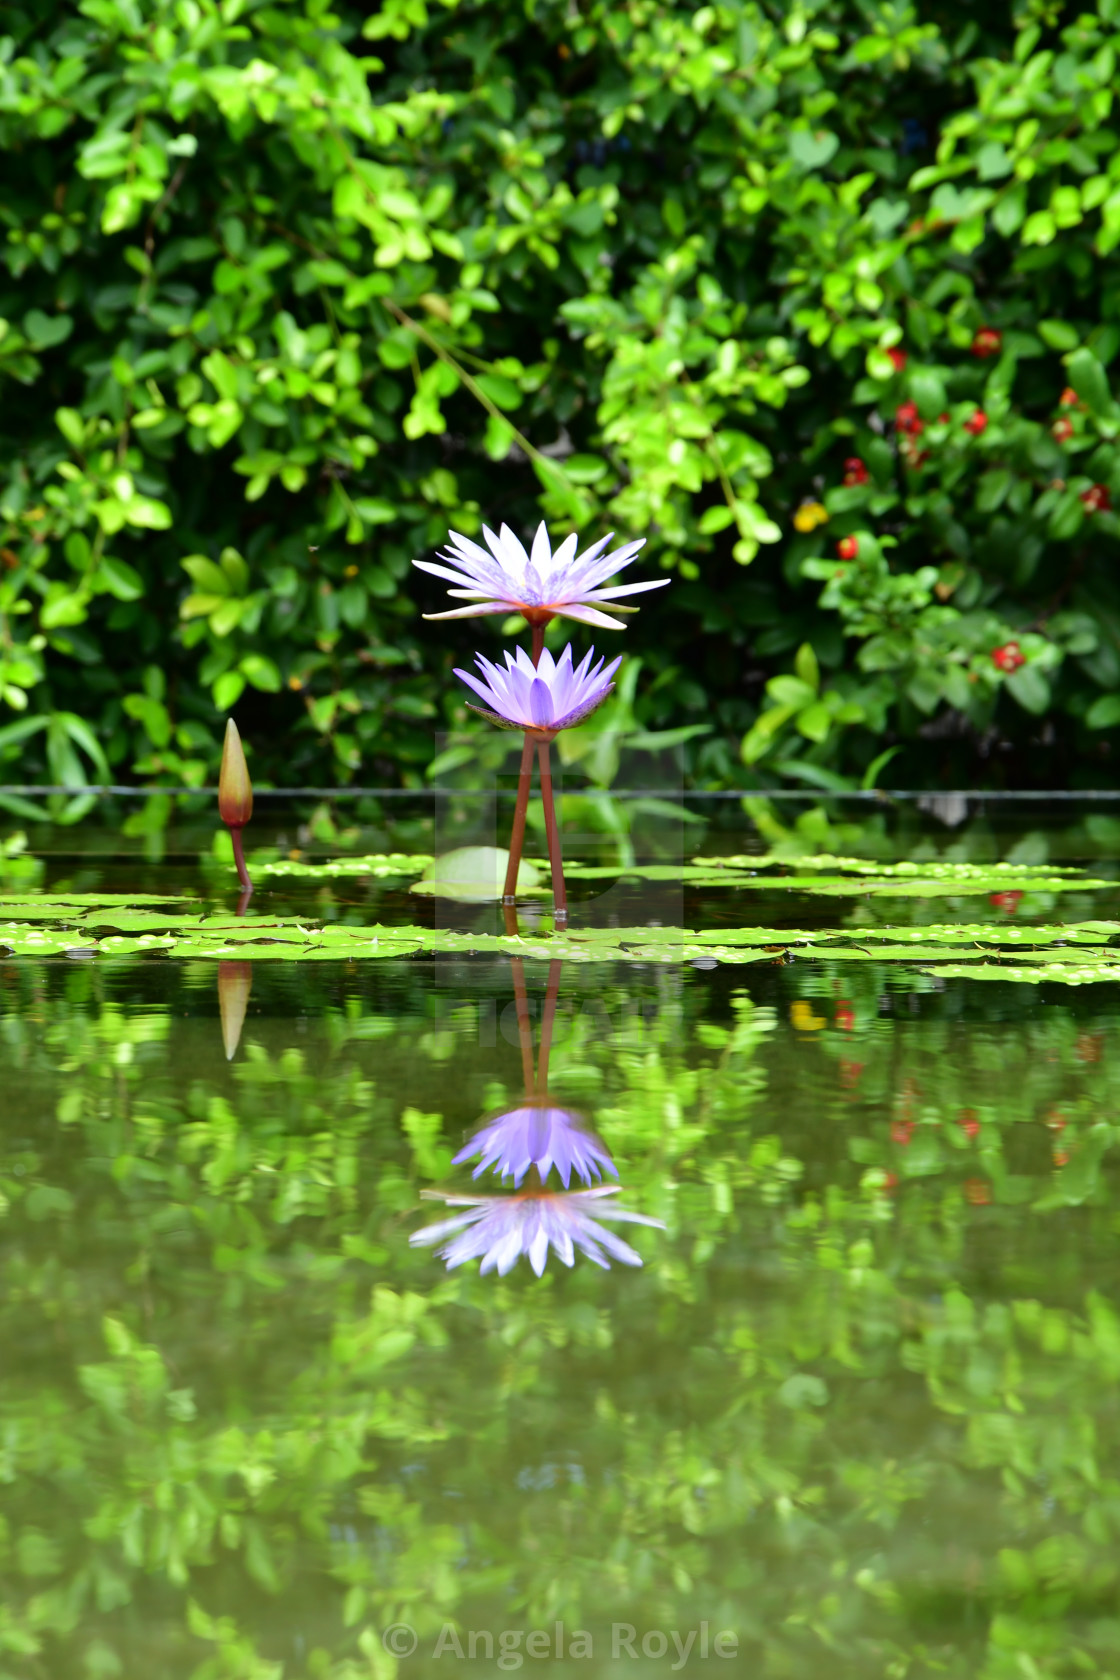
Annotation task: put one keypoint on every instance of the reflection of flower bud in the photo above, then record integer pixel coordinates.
(235, 790)
(235, 982)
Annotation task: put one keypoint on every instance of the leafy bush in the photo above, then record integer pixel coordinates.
(288, 291)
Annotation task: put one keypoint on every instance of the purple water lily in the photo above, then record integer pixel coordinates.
(540, 585)
(539, 1136)
(542, 698)
(498, 1229)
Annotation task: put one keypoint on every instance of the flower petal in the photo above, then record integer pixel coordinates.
(478, 611)
(540, 702)
(589, 615)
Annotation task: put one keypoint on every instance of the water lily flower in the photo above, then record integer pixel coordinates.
(498, 1229)
(542, 698)
(540, 585)
(541, 1136)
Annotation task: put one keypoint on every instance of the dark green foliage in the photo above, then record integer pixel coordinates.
(288, 291)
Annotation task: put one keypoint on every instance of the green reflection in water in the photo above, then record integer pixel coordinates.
(858, 1406)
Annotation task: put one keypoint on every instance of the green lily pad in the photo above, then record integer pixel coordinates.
(1067, 974)
(476, 875)
(377, 864)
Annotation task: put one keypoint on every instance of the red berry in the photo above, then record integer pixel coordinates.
(906, 419)
(845, 1016)
(1008, 658)
(988, 342)
(1097, 499)
(1068, 398)
(898, 359)
(902, 1131)
(969, 1124)
(976, 423)
(854, 471)
(1062, 430)
(1008, 901)
(977, 1191)
(847, 548)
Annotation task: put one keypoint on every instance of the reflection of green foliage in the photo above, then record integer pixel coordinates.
(865, 1421)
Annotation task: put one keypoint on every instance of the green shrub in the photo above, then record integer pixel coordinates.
(288, 291)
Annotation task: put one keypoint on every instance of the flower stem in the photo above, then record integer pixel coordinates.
(547, 1020)
(559, 890)
(239, 859)
(538, 643)
(517, 833)
(524, 1024)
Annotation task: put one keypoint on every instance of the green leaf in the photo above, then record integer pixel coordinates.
(1059, 335)
(228, 690)
(211, 579)
(45, 331)
(118, 578)
(928, 391)
(1030, 688)
(1089, 380)
(263, 673)
(813, 149)
(1104, 713)
(807, 667)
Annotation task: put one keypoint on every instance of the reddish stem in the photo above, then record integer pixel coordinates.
(239, 859)
(559, 890)
(547, 1020)
(524, 1025)
(517, 833)
(538, 642)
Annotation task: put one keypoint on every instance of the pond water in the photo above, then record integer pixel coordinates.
(845, 1401)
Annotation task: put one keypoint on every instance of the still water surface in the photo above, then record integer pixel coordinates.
(856, 1412)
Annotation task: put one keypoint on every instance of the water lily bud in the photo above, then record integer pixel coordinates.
(235, 790)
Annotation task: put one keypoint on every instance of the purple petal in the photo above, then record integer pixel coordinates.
(540, 702)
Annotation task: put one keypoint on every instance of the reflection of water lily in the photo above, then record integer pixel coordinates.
(546, 697)
(540, 585)
(538, 1136)
(498, 1229)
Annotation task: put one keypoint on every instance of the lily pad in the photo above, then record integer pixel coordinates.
(476, 875)
(377, 864)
